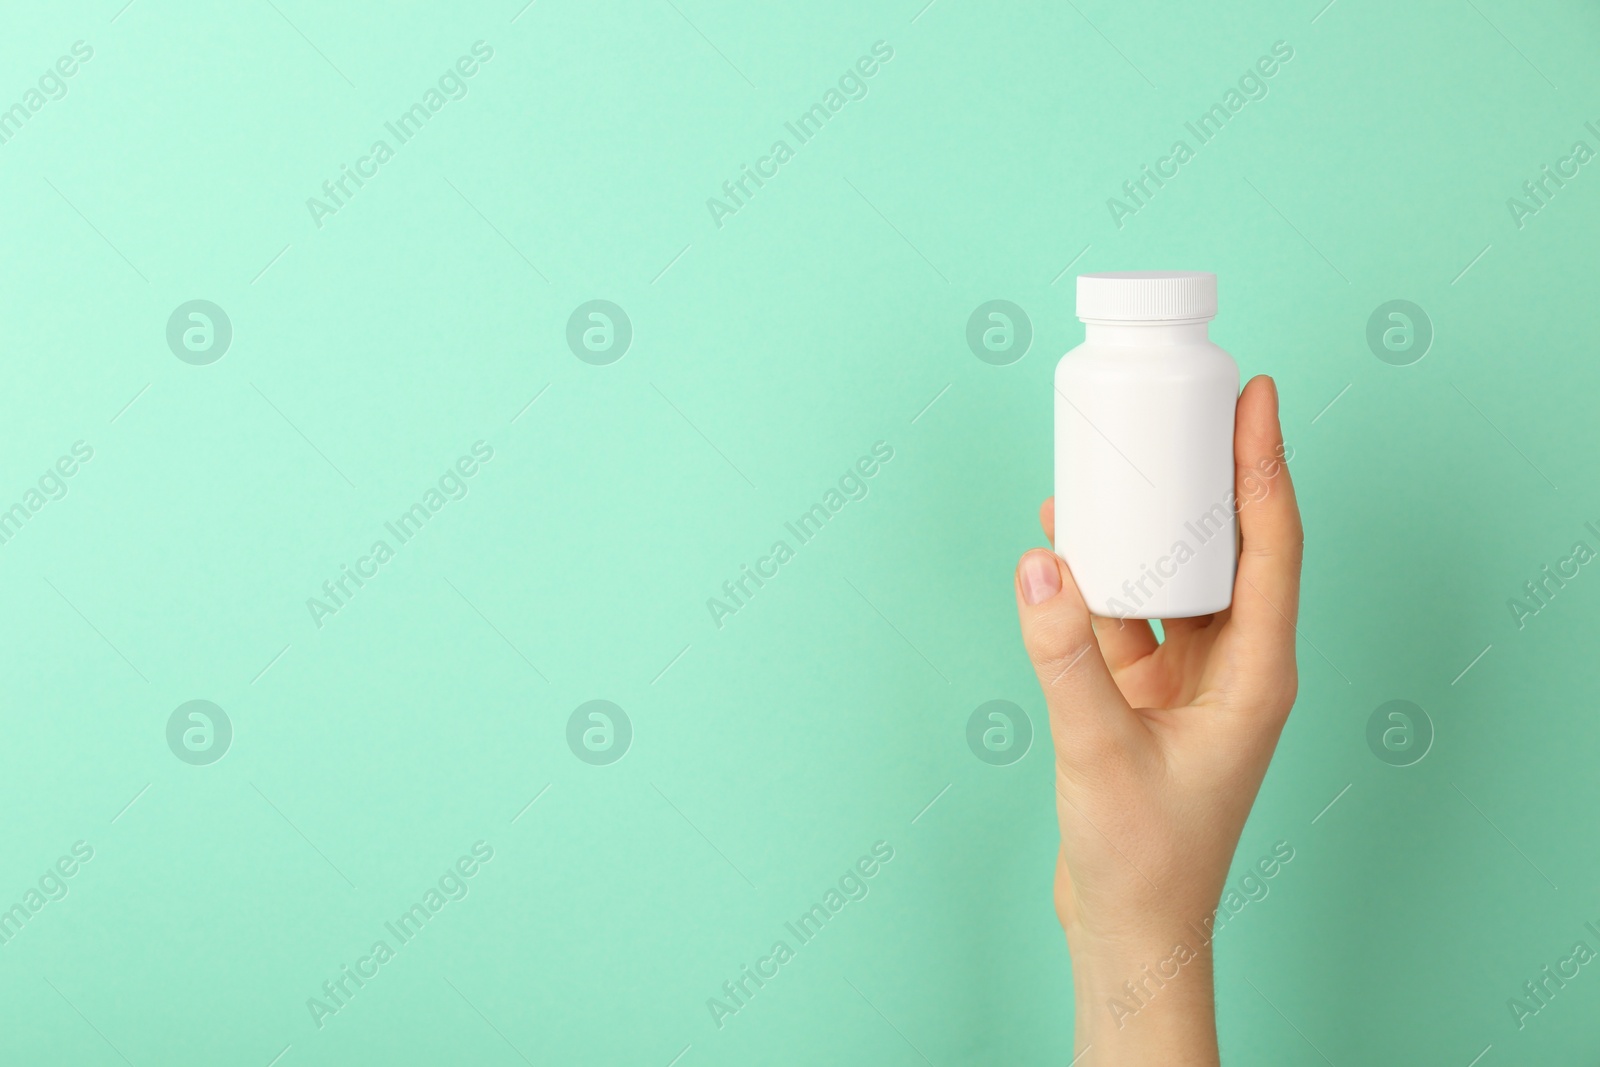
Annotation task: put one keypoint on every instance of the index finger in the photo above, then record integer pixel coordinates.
(1266, 593)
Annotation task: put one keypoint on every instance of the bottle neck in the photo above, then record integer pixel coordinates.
(1140, 334)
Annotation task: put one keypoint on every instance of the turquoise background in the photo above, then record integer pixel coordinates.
(768, 354)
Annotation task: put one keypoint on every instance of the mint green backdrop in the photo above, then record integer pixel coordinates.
(354, 751)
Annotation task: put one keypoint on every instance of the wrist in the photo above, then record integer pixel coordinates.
(1138, 1007)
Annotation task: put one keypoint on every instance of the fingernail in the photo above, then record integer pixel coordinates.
(1041, 578)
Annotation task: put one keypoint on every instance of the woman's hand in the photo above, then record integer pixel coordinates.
(1160, 750)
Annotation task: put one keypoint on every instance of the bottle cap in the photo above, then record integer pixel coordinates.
(1147, 296)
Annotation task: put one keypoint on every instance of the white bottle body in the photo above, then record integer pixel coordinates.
(1145, 510)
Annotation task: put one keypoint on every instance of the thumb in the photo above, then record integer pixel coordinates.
(1086, 707)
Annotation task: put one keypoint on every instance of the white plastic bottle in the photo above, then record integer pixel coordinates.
(1145, 511)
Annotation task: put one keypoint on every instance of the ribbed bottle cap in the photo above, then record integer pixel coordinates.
(1147, 296)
